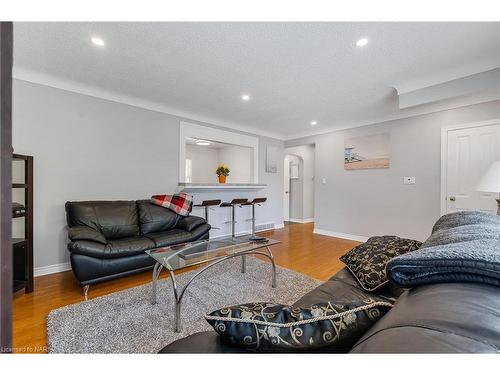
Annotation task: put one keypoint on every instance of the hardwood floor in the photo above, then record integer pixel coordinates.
(299, 250)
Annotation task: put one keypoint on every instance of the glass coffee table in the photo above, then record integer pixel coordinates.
(209, 252)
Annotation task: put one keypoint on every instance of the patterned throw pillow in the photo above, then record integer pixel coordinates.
(368, 261)
(274, 327)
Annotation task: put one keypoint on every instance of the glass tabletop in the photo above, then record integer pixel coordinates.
(188, 254)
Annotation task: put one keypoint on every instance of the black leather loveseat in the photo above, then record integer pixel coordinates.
(108, 238)
(435, 318)
(445, 317)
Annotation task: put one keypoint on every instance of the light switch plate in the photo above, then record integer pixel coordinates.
(409, 180)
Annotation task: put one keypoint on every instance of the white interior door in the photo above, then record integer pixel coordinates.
(286, 189)
(470, 152)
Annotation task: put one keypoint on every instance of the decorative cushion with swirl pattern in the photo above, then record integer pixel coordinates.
(273, 327)
(368, 261)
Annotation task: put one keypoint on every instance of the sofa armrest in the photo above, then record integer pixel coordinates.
(88, 248)
(189, 223)
(80, 232)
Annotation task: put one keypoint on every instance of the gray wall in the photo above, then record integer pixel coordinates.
(87, 148)
(375, 202)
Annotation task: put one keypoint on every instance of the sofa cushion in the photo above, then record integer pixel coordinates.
(274, 327)
(155, 218)
(201, 342)
(114, 249)
(210, 342)
(368, 261)
(128, 246)
(438, 318)
(114, 219)
(90, 270)
(170, 237)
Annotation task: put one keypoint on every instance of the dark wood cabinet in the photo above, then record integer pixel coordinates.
(22, 248)
(6, 44)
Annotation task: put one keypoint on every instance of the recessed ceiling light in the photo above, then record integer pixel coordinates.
(314, 123)
(97, 41)
(202, 142)
(362, 42)
(245, 97)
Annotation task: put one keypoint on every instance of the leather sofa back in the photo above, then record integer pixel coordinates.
(438, 318)
(153, 218)
(114, 219)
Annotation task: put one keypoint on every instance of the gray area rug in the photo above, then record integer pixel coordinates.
(126, 322)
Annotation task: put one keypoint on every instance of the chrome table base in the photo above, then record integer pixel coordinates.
(179, 292)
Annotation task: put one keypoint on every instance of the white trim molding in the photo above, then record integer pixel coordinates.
(484, 82)
(345, 236)
(443, 77)
(399, 115)
(54, 268)
(301, 221)
(279, 226)
(249, 231)
(444, 153)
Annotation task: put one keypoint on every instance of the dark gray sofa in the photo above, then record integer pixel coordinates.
(108, 239)
(444, 317)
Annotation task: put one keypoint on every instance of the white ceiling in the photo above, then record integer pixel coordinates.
(294, 72)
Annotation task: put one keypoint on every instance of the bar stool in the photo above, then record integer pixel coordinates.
(206, 205)
(235, 202)
(256, 201)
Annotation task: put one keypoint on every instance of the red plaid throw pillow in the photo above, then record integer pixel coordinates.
(181, 203)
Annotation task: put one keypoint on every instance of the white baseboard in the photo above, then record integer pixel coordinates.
(228, 234)
(54, 268)
(345, 236)
(279, 226)
(248, 231)
(301, 221)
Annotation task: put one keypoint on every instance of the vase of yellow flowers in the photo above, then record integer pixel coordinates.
(222, 172)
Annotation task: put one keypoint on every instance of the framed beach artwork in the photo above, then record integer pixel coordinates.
(367, 152)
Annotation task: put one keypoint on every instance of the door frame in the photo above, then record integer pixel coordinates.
(286, 175)
(291, 219)
(6, 47)
(444, 153)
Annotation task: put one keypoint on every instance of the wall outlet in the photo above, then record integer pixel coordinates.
(409, 180)
(323, 181)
